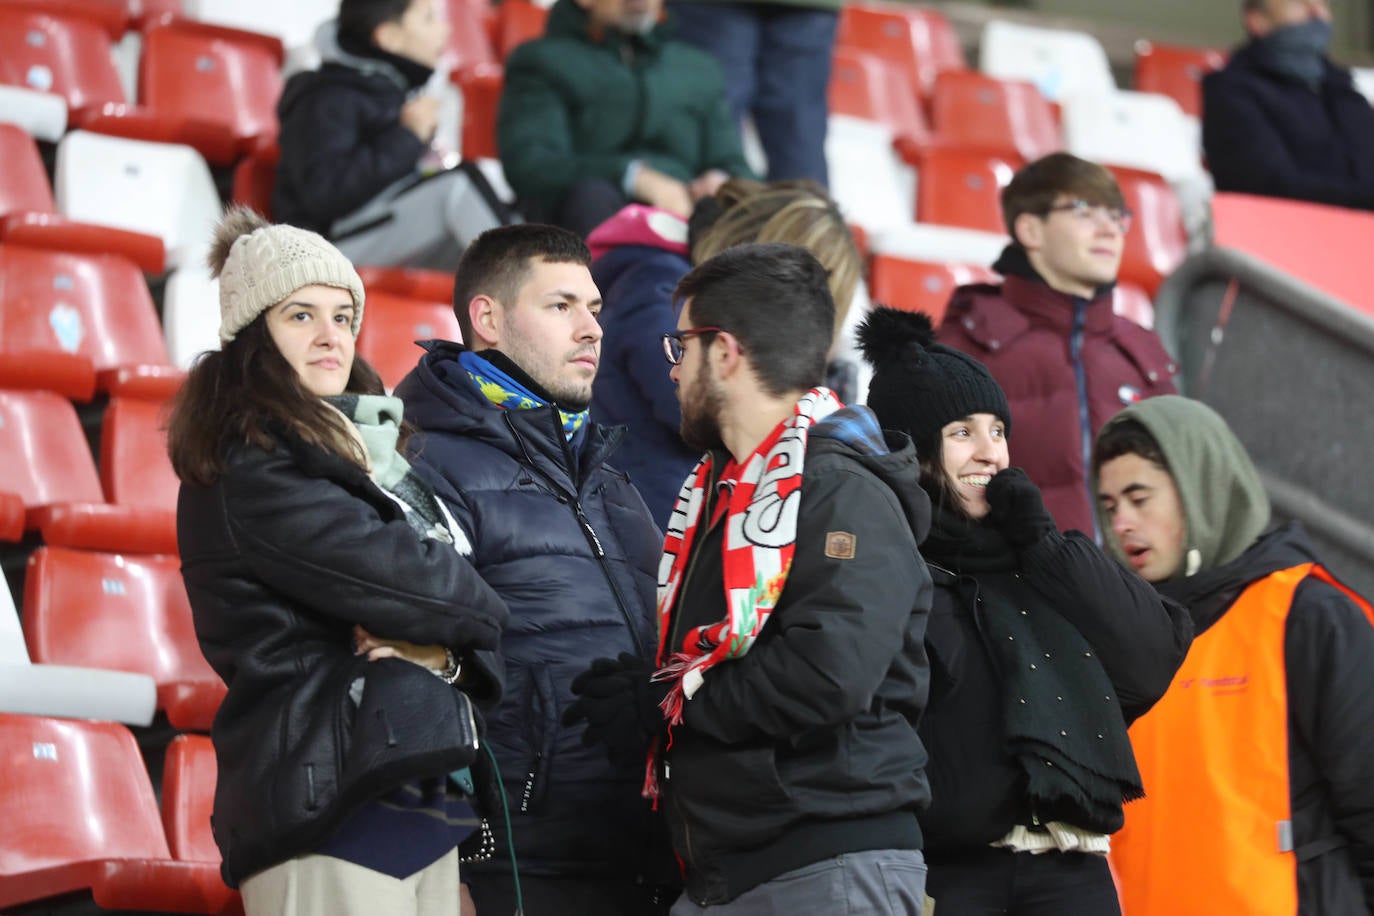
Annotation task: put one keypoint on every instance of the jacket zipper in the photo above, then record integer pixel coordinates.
(1080, 379)
(593, 541)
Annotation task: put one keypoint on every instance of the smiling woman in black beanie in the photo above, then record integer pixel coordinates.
(1042, 651)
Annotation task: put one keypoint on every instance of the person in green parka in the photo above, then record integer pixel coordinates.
(607, 109)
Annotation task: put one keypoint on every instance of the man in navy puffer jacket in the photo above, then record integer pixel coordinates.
(565, 540)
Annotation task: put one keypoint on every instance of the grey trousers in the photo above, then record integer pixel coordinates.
(425, 224)
(884, 882)
(314, 885)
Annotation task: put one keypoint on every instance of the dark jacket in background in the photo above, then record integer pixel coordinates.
(577, 105)
(806, 748)
(1267, 133)
(341, 138)
(282, 556)
(633, 387)
(1328, 656)
(978, 788)
(566, 541)
(1067, 365)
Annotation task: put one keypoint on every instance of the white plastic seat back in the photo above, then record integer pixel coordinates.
(1060, 63)
(190, 313)
(43, 115)
(1141, 130)
(1364, 81)
(294, 22)
(939, 244)
(62, 690)
(869, 181)
(162, 189)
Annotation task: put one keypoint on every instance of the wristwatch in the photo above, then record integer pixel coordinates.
(452, 668)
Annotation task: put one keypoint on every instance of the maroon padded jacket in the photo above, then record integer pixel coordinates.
(1067, 366)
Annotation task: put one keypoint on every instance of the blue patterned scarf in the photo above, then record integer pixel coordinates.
(503, 391)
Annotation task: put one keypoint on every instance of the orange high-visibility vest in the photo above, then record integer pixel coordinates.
(1213, 834)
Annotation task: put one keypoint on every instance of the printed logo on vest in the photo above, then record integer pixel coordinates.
(840, 545)
(1217, 686)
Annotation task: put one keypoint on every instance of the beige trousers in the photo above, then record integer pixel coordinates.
(313, 885)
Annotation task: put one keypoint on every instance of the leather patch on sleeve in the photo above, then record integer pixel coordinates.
(839, 545)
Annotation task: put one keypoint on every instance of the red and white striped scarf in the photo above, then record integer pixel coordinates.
(760, 536)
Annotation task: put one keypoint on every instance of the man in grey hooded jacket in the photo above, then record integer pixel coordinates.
(1267, 733)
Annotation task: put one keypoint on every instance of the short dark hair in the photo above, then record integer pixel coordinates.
(358, 19)
(498, 263)
(1127, 437)
(1034, 188)
(776, 299)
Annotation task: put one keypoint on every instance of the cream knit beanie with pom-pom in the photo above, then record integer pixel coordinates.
(260, 264)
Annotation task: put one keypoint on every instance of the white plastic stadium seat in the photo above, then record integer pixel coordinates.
(869, 181)
(1142, 130)
(938, 244)
(64, 691)
(190, 312)
(162, 189)
(1060, 63)
(43, 115)
(1364, 81)
(294, 22)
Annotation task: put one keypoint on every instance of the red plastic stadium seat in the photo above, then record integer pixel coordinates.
(956, 187)
(134, 467)
(68, 54)
(921, 286)
(863, 85)
(194, 71)
(255, 177)
(123, 611)
(469, 33)
(1175, 71)
(919, 41)
(11, 516)
(80, 816)
(481, 87)
(23, 181)
(971, 109)
(394, 323)
(516, 22)
(188, 794)
(1133, 303)
(44, 452)
(94, 306)
(412, 282)
(1158, 241)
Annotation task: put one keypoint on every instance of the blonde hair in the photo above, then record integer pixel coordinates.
(794, 212)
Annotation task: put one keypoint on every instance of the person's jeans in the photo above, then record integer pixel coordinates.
(776, 61)
(881, 882)
(998, 881)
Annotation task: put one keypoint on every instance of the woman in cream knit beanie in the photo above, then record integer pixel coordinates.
(331, 591)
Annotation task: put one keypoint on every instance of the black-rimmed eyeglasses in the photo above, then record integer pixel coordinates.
(672, 342)
(1084, 211)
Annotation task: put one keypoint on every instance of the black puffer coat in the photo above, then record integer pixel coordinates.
(282, 556)
(570, 546)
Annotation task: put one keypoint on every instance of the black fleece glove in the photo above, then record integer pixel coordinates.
(620, 705)
(1016, 508)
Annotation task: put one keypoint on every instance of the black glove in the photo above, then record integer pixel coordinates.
(1016, 509)
(620, 705)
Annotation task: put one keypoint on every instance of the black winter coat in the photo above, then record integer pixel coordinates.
(1329, 661)
(978, 789)
(806, 748)
(568, 543)
(341, 142)
(1265, 133)
(282, 556)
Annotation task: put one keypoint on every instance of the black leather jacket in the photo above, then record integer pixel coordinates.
(281, 557)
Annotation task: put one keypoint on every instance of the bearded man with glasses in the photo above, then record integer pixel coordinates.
(1047, 331)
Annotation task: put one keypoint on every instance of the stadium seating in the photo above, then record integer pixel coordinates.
(1142, 130)
(1133, 303)
(920, 42)
(865, 86)
(80, 816)
(1061, 64)
(23, 181)
(394, 323)
(160, 189)
(62, 690)
(973, 110)
(1175, 71)
(61, 52)
(134, 467)
(956, 187)
(44, 452)
(921, 286)
(188, 788)
(480, 85)
(1157, 242)
(1364, 81)
(469, 34)
(294, 22)
(255, 177)
(868, 179)
(124, 611)
(94, 306)
(515, 22)
(190, 314)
